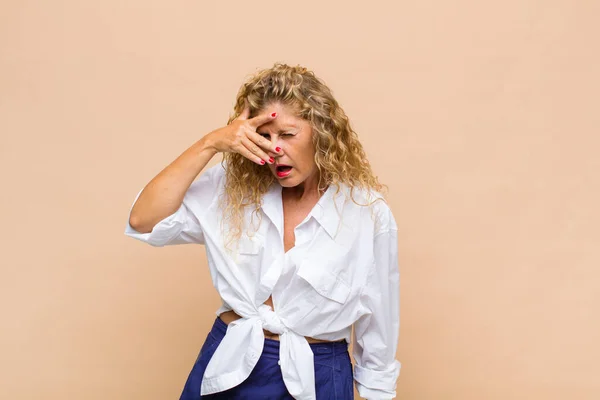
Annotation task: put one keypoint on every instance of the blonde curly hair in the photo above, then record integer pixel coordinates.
(339, 155)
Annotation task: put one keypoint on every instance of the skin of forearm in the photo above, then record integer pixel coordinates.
(163, 195)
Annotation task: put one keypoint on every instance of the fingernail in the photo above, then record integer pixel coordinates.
(274, 115)
(262, 162)
(278, 149)
(271, 160)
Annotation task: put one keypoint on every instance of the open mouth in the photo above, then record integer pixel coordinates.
(283, 170)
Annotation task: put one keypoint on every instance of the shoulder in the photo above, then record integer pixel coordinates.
(375, 205)
(207, 187)
(216, 172)
(211, 176)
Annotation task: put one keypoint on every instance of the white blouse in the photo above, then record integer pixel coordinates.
(330, 281)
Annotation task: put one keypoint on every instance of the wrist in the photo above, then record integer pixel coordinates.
(206, 144)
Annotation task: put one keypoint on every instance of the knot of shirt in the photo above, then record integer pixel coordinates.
(270, 320)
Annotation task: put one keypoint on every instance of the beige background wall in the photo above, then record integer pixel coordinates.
(482, 117)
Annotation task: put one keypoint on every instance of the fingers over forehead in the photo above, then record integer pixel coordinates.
(262, 118)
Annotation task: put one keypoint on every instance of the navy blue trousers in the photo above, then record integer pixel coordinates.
(333, 372)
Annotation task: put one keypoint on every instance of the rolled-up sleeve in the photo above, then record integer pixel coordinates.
(375, 338)
(184, 225)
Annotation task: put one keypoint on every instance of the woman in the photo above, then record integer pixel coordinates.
(315, 247)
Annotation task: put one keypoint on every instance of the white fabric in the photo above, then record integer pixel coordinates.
(341, 273)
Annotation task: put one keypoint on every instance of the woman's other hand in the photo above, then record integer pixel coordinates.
(240, 137)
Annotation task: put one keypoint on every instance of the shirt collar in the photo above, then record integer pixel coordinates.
(327, 211)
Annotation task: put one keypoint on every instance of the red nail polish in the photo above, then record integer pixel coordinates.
(271, 159)
(274, 115)
(262, 162)
(278, 149)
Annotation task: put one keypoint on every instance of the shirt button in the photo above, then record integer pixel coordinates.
(278, 362)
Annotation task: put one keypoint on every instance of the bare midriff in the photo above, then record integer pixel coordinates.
(229, 316)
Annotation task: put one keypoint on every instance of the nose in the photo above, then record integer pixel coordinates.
(273, 153)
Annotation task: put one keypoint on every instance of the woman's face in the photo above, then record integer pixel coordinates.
(294, 136)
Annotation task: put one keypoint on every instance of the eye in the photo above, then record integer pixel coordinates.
(287, 134)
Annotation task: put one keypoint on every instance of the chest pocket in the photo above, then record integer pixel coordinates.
(324, 281)
(249, 250)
